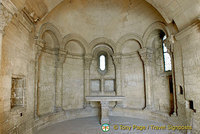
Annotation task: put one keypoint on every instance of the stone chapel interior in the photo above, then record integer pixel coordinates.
(65, 60)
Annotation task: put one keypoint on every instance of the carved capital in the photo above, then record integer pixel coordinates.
(61, 57)
(87, 61)
(117, 60)
(5, 17)
(39, 46)
(146, 55)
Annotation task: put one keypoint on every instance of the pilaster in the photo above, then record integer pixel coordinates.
(147, 58)
(87, 63)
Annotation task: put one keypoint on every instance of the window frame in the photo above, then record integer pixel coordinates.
(163, 53)
(102, 72)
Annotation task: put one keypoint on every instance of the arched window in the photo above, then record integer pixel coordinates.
(102, 62)
(166, 56)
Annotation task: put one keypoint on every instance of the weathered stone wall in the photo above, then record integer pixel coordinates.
(93, 19)
(73, 83)
(18, 60)
(188, 42)
(160, 80)
(132, 76)
(57, 90)
(46, 83)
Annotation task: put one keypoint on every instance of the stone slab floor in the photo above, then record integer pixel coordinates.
(91, 125)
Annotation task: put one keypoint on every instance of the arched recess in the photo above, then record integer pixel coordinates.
(153, 39)
(46, 70)
(102, 82)
(53, 30)
(73, 71)
(127, 37)
(132, 72)
(155, 26)
(101, 40)
(77, 38)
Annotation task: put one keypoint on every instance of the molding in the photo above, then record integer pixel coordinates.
(50, 27)
(188, 30)
(10, 6)
(127, 37)
(25, 21)
(154, 26)
(102, 40)
(5, 17)
(75, 37)
(160, 10)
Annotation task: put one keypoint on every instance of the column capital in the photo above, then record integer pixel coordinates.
(87, 61)
(169, 43)
(61, 57)
(117, 59)
(146, 55)
(5, 17)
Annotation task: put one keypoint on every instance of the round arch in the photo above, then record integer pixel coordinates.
(127, 37)
(102, 40)
(50, 28)
(155, 26)
(75, 37)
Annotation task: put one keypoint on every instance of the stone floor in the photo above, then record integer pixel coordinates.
(91, 126)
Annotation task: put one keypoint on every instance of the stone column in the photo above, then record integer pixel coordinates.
(146, 56)
(61, 56)
(39, 46)
(105, 112)
(117, 62)
(169, 42)
(87, 63)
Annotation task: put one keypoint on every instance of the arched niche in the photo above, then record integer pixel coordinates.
(73, 72)
(46, 87)
(147, 36)
(102, 82)
(51, 41)
(48, 28)
(130, 47)
(132, 73)
(160, 80)
(74, 48)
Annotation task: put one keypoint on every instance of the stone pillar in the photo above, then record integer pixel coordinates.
(147, 56)
(39, 46)
(59, 79)
(87, 63)
(104, 112)
(169, 43)
(117, 63)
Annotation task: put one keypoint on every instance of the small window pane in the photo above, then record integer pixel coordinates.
(102, 62)
(164, 48)
(167, 60)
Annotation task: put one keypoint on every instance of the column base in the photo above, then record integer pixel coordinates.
(149, 108)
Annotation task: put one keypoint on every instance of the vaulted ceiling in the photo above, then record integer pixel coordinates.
(182, 12)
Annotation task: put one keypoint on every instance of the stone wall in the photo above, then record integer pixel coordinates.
(18, 61)
(188, 43)
(59, 67)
